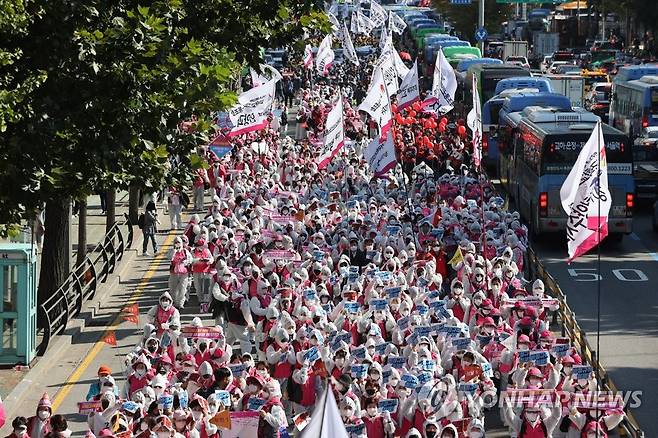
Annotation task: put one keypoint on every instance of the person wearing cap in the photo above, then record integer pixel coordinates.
(533, 421)
(272, 414)
(104, 373)
(38, 425)
(202, 262)
(179, 264)
(149, 227)
(160, 314)
(19, 428)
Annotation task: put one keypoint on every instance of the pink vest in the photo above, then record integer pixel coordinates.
(162, 317)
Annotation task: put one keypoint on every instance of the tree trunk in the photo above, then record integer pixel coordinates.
(82, 233)
(111, 208)
(133, 203)
(56, 254)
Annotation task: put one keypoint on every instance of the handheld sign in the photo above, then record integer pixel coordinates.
(397, 362)
(379, 304)
(183, 399)
(410, 381)
(423, 378)
(312, 354)
(255, 404)
(422, 309)
(310, 294)
(352, 306)
(381, 348)
(359, 371)
(388, 405)
(89, 407)
(560, 350)
(238, 369)
(468, 388)
(166, 401)
(355, 429)
(223, 397)
(130, 406)
(393, 292)
(359, 352)
(403, 323)
(423, 330)
(461, 343)
(581, 371)
(427, 365)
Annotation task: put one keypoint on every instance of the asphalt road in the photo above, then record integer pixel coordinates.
(629, 307)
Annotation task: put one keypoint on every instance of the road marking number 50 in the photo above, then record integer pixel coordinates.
(590, 274)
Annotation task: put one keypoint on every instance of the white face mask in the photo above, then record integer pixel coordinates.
(340, 362)
(372, 412)
(524, 347)
(567, 370)
(165, 305)
(197, 415)
(44, 415)
(262, 373)
(180, 425)
(252, 389)
(20, 432)
(164, 434)
(347, 413)
(532, 416)
(393, 382)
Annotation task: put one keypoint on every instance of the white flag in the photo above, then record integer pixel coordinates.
(474, 121)
(308, 56)
(383, 38)
(444, 85)
(389, 51)
(377, 103)
(409, 91)
(334, 135)
(380, 155)
(325, 419)
(254, 105)
(325, 56)
(377, 13)
(348, 47)
(364, 25)
(335, 25)
(354, 23)
(395, 23)
(387, 66)
(260, 79)
(585, 197)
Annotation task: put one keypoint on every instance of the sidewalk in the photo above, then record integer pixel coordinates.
(70, 364)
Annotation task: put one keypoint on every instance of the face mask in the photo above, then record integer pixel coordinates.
(395, 307)
(143, 426)
(353, 247)
(567, 370)
(152, 348)
(393, 382)
(372, 412)
(165, 305)
(213, 409)
(197, 415)
(535, 382)
(158, 392)
(524, 347)
(262, 373)
(20, 432)
(44, 415)
(252, 389)
(180, 425)
(475, 435)
(347, 413)
(532, 416)
(139, 372)
(340, 362)
(249, 363)
(430, 434)
(164, 434)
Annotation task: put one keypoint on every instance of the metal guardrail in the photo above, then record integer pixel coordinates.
(570, 328)
(82, 283)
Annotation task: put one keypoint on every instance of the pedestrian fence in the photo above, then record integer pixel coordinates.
(565, 318)
(82, 283)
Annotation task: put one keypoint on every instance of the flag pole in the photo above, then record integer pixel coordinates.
(598, 267)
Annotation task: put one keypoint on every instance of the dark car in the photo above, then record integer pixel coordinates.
(645, 163)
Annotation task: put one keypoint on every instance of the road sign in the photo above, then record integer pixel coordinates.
(460, 2)
(481, 34)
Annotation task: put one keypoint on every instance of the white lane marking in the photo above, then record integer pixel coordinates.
(654, 255)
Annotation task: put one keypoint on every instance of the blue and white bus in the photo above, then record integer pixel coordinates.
(635, 105)
(509, 117)
(504, 89)
(545, 148)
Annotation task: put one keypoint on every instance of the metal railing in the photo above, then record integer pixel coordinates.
(571, 329)
(82, 283)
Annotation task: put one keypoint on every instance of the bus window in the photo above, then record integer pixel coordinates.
(654, 102)
(645, 153)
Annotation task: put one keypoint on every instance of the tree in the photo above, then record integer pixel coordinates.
(465, 17)
(114, 81)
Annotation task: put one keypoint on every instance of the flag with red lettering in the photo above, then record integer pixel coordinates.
(409, 92)
(585, 197)
(325, 56)
(252, 110)
(131, 313)
(308, 56)
(474, 121)
(377, 103)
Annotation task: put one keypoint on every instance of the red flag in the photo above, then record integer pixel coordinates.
(110, 339)
(131, 318)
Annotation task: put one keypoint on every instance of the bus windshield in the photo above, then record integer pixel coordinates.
(560, 153)
(654, 102)
(643, 153)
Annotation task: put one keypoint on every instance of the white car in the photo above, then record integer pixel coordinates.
(518, 60)
(545, 64)
(555, 64)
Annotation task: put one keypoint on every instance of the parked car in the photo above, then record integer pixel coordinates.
(568, 69)
(555, 64)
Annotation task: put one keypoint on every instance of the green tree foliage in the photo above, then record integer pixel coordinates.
(465, 17)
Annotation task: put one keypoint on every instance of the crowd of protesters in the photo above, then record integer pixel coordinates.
(404, 295)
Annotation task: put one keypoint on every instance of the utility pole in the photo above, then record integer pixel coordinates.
(481, 23)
